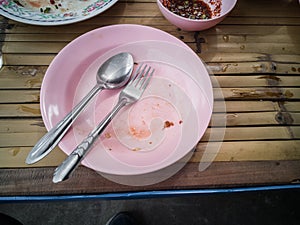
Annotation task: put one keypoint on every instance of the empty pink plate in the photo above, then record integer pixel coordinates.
(147, 136)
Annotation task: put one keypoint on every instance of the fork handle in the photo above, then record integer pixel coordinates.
(64, 171)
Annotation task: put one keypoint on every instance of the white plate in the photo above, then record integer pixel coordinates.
(68, 12)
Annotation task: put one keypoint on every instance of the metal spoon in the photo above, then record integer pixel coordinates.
(113, 73)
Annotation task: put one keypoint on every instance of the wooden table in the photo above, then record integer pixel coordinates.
(255, 57)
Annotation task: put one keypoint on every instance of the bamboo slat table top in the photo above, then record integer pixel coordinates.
(255, 57)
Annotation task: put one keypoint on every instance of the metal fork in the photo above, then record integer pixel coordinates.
(130, 94)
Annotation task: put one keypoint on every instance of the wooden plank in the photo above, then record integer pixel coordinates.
(267, 8)
(264, 93)
(274, 48)
(20, 77)
(273, 118)
(14, 77)
(19, 28)
(24, 139)
(33, 110)
(20, 110)
(225, 57)
(22, 125)
(287, 46)
(256, 106)
(257, 81)
(245, 106)
(31, 77)
(251, 133)
(154, 19)
(43, 37)
(261, 93)
(223, 36)
(295, 131)
(27, 59)
(205, 36)
(265, 67)
(290, 106)
(261, 21)
(238, 67)
(288, 68)
(249, 151)
(19, 96)
(285, 58)
(72, 31)
(38, 181)
(279, 60)
(221, 63)
(55, 47)
(281, 37)
(250, 30)
(34, 123)
(14, 157)
(32, 47)
(258, 118)
(27, 139)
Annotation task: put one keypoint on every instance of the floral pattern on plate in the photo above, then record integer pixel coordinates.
(75, 12)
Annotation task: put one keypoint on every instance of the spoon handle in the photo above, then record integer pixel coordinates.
(63, 171)
(45, 145)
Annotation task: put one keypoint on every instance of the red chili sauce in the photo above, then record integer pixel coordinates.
(191, 9)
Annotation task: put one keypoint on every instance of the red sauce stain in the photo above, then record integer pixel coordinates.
(139, 133)
(168, 124)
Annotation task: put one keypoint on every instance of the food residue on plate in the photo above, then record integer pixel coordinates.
(136, 149)
(54, 6)
(44, 6)
(141, 133)
(107, 135)
(168, 124)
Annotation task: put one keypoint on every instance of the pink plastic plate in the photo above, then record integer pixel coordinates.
(153, 133)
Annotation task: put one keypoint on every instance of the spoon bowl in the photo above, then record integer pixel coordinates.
(113, 73)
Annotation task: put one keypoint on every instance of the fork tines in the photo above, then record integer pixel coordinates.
(141, 75)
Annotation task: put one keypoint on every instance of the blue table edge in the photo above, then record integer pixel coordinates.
(145, 194)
